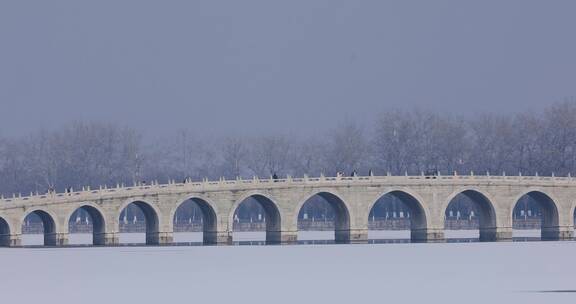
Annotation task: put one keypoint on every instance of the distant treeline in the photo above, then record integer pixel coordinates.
(92, 153)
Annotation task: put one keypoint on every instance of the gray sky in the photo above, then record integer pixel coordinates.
(277, 66)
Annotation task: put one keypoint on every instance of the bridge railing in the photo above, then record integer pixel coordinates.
(206, 184)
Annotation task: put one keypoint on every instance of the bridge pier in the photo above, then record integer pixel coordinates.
(10, 240)
(106, 239)
(289, 237)
(56, 239)
(495, 234)
(427, 235)
(281, 237)
(358, 236)
(558, 233)
(351, 236)
(159, 238)
(217, 238)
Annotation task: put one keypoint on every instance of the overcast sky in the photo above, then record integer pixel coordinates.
(277, 66)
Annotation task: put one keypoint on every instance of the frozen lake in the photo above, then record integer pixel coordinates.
(453, 273)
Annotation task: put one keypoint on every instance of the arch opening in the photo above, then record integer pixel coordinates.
(194, 222)
(38, 229)
(86, 226)
(324, 218)
(256, 221)
(138, 224)
(469, 217)
(535, 217)
(4, 233)
(395, 217)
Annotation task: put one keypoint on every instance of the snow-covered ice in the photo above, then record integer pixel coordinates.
(410, 273)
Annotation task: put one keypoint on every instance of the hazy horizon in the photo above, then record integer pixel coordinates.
(252, 67)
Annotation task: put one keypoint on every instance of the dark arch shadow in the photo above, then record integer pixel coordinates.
(417, 216)
(341, 215)
(483, 210)
(98, 224)
(271, 217)
(209, 222)
(49, 226)
(151, 218)
(548, 214)
(4, 233)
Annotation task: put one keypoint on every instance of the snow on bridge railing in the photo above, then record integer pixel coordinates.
(280, 181)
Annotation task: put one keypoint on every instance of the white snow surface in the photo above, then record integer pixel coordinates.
(513, 272)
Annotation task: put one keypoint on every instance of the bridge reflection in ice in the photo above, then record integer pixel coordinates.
(304, 237)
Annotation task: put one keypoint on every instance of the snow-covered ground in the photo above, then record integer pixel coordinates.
(509, 272)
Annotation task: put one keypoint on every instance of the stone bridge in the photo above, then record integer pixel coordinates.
(352, 198)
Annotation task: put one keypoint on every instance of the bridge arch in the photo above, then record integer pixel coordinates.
(418, 214)
(342, 220)
(482, 207)
(209, 217)
(49, 225)
(98, 221)
(272, 216)
(548, 208)
(151, 216)
(4, 233)
(572, 215)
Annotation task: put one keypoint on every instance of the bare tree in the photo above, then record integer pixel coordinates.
(269, 155)
(90, 153)
(308, 158)
(346, 150)
(233, 157)
(558, 137)
(395, 142)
